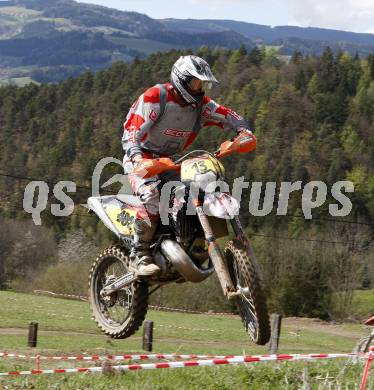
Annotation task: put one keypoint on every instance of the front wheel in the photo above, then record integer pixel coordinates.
(120, 314)
(251, 303)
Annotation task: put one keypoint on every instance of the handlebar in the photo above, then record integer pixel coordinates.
(244, 143)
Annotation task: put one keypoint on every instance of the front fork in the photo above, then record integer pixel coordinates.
(241, 236)
(215, 253)
(239, 231)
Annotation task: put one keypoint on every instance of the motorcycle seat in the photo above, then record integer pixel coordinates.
(130, 200)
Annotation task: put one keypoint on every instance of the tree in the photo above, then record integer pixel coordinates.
(297, 57)
(370, 60)
(256, 56)
(326, 74)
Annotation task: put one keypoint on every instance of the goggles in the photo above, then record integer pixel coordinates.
(197, 85)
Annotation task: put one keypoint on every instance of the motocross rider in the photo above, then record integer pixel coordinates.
(162, 122)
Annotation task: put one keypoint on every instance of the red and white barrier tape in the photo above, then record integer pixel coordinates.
(172, 309)
(181, 364)
(190, 329)
(134, 357)
(70, 296)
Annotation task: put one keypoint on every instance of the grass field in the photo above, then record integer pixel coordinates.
(65, 327)
(19, 12)
(363, 303)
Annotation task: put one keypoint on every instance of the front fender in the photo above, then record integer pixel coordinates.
(221, 205)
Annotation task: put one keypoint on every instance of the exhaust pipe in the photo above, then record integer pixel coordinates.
(183, 263)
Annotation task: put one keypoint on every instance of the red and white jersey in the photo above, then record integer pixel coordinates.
(174, 131)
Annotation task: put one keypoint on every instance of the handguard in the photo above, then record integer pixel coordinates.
(245, 142)
(148, 167)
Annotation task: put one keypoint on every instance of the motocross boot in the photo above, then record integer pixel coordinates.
(141, 255)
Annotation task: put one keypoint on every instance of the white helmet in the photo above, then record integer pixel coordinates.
(185, 76)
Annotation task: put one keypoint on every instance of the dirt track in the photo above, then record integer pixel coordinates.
(316, 325)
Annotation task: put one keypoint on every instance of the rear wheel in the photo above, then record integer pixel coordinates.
(120, 314)
(251, 303)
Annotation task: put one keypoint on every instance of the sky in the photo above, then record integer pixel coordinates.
(348, 15)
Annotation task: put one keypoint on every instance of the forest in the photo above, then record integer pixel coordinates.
(313, 118)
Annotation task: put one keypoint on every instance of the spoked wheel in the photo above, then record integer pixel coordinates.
(251, 303)
(120, 314)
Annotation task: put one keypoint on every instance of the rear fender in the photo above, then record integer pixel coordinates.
(116, 217)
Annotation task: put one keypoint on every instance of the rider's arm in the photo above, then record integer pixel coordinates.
(141, 117)
(214, 114)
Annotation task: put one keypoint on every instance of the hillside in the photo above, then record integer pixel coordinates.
(309, 41)
(50, 40)
(267, 34)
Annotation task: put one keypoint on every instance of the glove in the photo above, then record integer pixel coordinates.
(243, 129)
(138, 157)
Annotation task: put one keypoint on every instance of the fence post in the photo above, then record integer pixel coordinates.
(147, 336)
(33, 334)
(275, 321)
(365, 375)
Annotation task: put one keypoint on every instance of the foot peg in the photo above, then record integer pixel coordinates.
(145, 269)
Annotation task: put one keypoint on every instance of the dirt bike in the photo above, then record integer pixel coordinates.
(185, 249)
